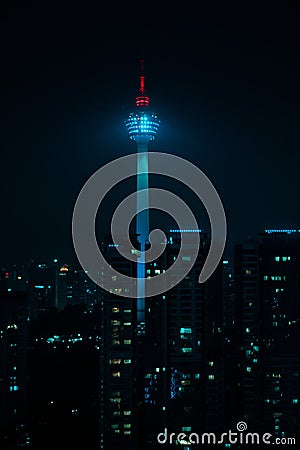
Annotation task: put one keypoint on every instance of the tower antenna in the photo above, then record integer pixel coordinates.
(142, 100)
(142, 78)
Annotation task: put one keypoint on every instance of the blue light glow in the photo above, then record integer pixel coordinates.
(13, 388)
(142, 124)
(288, 231)
(185, 231)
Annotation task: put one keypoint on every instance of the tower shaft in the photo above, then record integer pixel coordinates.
(142, 224)
(142, 221)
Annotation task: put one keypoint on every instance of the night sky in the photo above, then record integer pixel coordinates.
(227, 93)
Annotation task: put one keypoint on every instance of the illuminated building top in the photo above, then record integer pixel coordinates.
(142, 124)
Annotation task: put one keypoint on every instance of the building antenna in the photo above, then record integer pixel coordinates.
(142, 100)
(142, 78)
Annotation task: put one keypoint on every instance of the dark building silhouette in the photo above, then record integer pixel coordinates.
(14, 320)
(267, 280)
(173, 375)
(14, 278)
(195, 345)
(42, 285)
(118, 366)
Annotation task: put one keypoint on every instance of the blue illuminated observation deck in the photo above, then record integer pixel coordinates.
(142, 125)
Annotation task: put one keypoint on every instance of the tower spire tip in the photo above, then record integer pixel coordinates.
(142, 99)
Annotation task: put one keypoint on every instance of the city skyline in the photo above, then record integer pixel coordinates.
(212, 356)
(102, 347)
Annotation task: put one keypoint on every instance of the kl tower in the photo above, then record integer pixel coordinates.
(142, 126)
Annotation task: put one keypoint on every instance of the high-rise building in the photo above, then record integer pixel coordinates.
(173, 375)
(117, 396)
(267, 282)
(74, 287)
(14, 316)
(195, 352)
(42, 287)
(162, 357)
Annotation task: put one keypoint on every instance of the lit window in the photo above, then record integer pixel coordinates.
(13, 326)
(13, 388)
(127, 413)
(127, 361)
(116, 374)
(186, 350)
(211, 377)
(115, 310)
(127, 341)
(115, 361)
(185, 330)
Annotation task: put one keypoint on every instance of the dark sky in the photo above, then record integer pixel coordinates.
(226, 90)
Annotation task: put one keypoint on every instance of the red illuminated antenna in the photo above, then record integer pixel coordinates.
(142, 100)
(142, 77)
